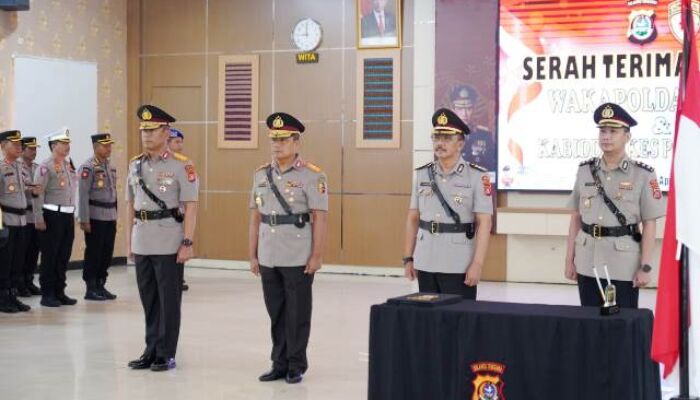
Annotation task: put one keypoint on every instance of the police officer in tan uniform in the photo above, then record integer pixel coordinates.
(616, 202)
(449, 218)
(289, 206)
(54, 210)
(13, 202)
(31, 256)
(97, 214)
(160, 239)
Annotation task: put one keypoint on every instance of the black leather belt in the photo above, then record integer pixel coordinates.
(598, 231)
(12, 210)
(438, 227)
(29, 207)
(144, 215)
(286, 219)
(102, 204)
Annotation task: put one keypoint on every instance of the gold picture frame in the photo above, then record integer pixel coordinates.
(378, 24)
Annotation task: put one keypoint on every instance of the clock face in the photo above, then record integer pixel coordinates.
(307, 34)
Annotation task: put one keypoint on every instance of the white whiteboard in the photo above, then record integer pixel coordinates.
(51, 94)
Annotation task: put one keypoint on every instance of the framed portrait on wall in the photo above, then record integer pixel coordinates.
(378, 24)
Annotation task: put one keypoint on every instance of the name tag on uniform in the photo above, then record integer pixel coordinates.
(425, 184)
(463, 185)
(626, 186)
(589, 184)
(262, 184)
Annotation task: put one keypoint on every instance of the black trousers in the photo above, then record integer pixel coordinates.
(159, 279)
(11, 259)
(31, 253)
(56, 243)
(437, 282)
(288, 299)
(99, 248)
(627, 296)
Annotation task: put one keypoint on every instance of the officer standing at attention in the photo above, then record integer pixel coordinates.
(13, 202)
(160, 239)
(612, 196)
(54, 219)
(97, 214)
(449, 218)
(176, 144)
(31, 257)
(289, 211)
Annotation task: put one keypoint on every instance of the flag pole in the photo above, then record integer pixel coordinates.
(684, 271)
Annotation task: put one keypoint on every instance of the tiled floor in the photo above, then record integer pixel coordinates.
(81, 352)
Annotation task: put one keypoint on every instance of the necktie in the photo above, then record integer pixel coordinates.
(381, 24)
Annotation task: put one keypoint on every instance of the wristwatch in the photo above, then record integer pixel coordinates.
(407, 260)
(187, 242)
(645, 268)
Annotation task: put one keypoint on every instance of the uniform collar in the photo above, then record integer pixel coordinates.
(625, 164)
(458, 169)
(298, 164)
(165, 155)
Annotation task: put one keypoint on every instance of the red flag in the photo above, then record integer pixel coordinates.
(683, 196)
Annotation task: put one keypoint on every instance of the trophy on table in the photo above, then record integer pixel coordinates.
(609, 294)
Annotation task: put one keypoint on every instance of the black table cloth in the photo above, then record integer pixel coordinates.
(525, 351)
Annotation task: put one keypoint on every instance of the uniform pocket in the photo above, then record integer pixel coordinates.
(458, 238)
(627, 245)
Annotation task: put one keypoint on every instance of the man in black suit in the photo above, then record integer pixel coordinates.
(378, 22)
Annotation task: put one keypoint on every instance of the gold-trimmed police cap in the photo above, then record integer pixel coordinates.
(12, 135)
(153, 117)
(62, 135)
(102, 138)
(30, 142)
(283, 125)
(614, 116)
(446, 122)
(463, 95)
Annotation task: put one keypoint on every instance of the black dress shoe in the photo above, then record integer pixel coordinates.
(294, 377)
(50, 301)
(33, 289)
(272, 375)
(18, 304)
(94, 294)
(163, 364)
(142, 363)
(7, 305)
(107, 294)
(24, 292)
(65, 300)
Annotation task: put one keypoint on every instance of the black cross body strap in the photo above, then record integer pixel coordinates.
(438, 193)
(176, 214)
(287, 208)
(609, 203)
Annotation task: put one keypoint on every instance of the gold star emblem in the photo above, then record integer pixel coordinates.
(146, 114)
(442, 119)
(277, 122)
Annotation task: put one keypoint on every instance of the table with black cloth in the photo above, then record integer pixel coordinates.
(548, 352)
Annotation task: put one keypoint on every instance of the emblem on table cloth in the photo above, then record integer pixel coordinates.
(488, 380)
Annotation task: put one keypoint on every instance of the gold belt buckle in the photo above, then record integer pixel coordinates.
(143, 215)
(273, 219)
(434, 227)
(597, 231)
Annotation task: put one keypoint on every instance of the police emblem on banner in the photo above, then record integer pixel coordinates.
(674, 18)
(642, 26)
(488, 380)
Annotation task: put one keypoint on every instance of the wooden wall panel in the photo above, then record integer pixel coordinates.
(178, 101)
(309, 91)
(232, 21)
(373, 229)
(225, 223)
(391, 170)
(173, 26)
